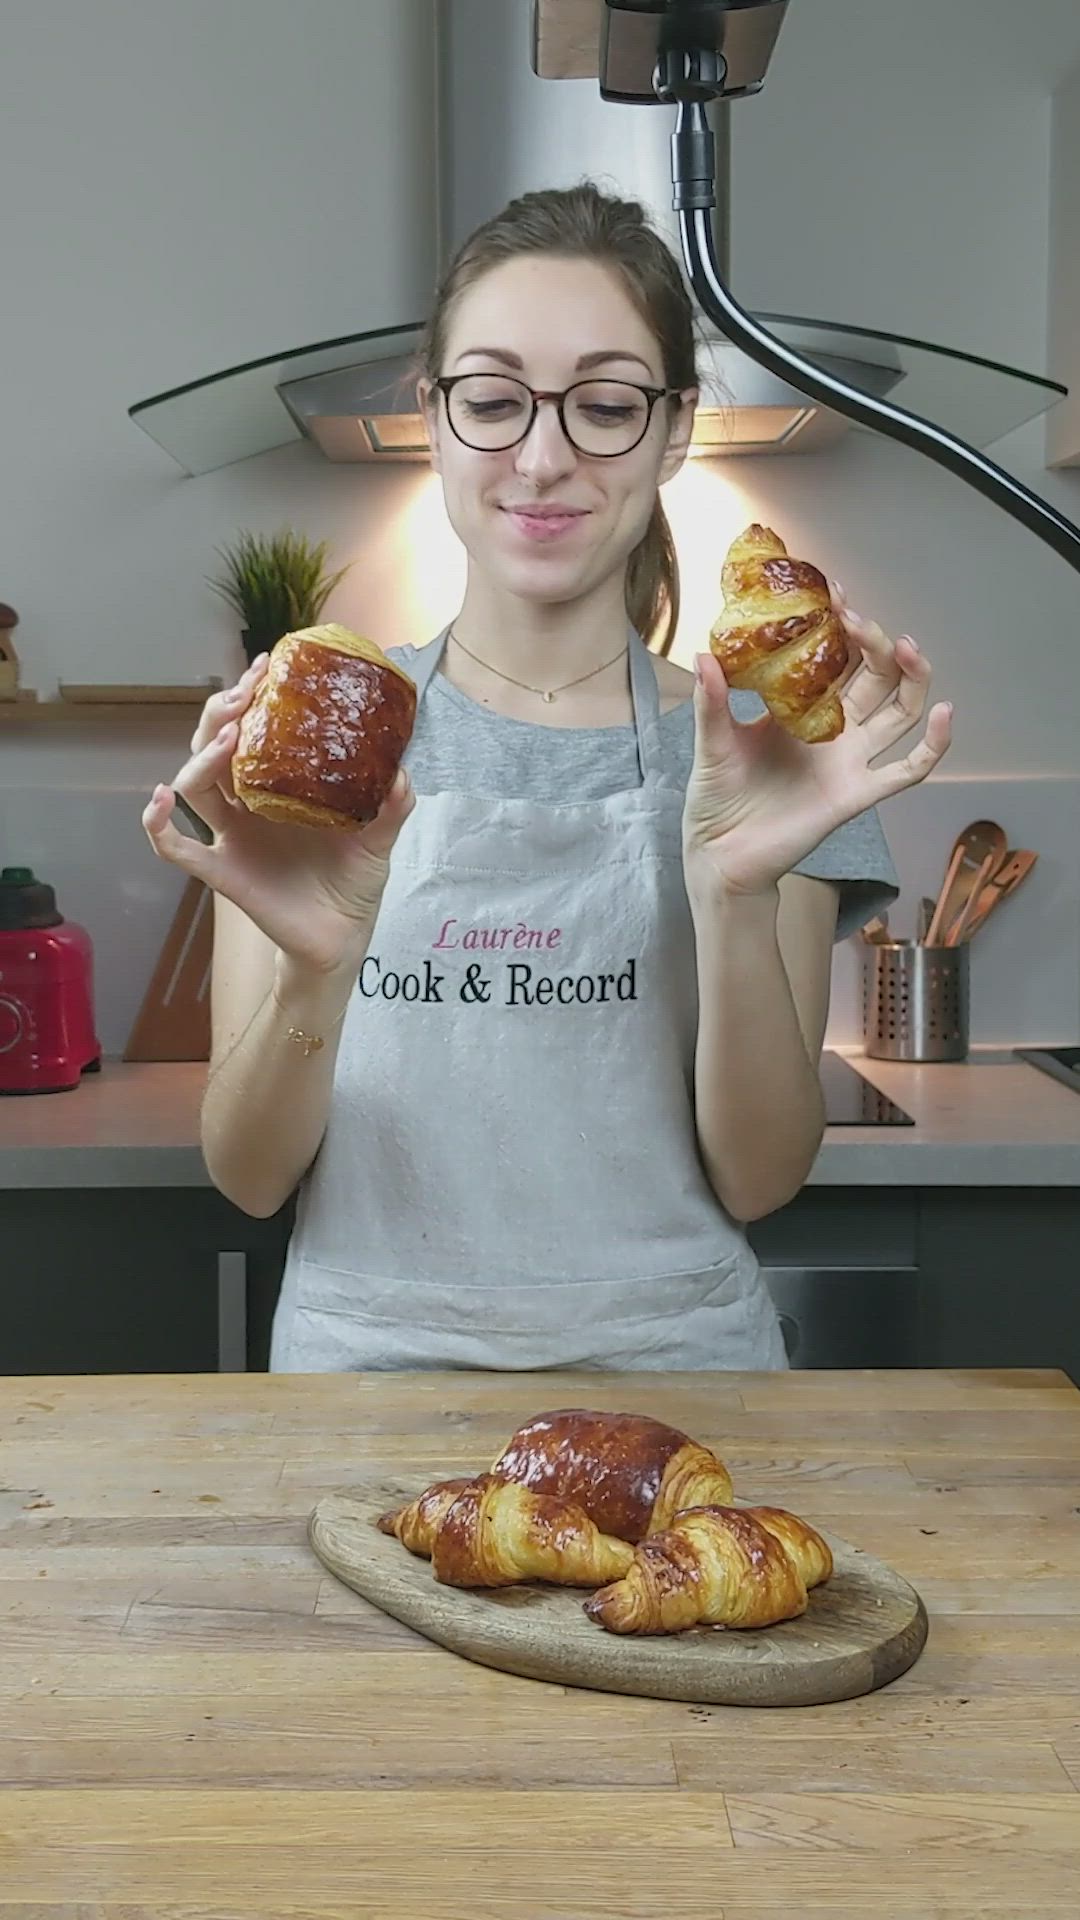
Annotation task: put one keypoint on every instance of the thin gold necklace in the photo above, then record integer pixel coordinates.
(547, 694)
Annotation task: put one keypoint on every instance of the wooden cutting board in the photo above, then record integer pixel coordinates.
(861, 1630)
(173, 1022)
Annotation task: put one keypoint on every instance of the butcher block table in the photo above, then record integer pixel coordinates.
(198, 1722)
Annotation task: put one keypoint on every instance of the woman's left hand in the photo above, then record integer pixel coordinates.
(759, 800)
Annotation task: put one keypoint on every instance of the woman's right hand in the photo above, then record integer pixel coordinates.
(315, 892)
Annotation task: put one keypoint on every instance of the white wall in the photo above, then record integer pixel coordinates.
(183, 187)
(188, 186)
(895, 172)
(897, 163)
(1063, 428)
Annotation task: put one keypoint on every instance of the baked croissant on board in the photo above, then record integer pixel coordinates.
(779, 637)
(629, 1473)
(491, 1533)
(322, 740)
(621, 1503)
(571, 1491)
(716, 1567)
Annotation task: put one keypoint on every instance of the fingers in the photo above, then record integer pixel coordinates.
(886, 697)
(876, 673)
(230, 704)
(923, 758)
(195, 820)
(199, 780)
(195, 792)
(380, 836)
(712, 714)
(168, 842)
(890, 722)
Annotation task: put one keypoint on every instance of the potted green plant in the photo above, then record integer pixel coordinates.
(277, 583)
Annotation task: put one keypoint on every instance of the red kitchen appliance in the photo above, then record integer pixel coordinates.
(47, 1035)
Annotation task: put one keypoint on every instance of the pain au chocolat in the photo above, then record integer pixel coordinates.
(322, 741)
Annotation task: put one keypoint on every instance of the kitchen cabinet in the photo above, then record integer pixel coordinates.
(1000, 1273)
(929, 1277)
(842, 1268)
(950, 1242)
(148, 1280)
(136, 1280)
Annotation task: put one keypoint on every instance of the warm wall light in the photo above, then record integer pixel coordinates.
(415, 566)
(433, 560)
(706, 509)
(389, 431)
(396, 433)
(718, 432)
(747, 429)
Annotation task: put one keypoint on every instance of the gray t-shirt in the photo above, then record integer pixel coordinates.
(459, 746)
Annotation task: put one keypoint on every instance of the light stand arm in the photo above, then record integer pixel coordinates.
(689, 80)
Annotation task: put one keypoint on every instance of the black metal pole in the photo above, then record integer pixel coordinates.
(694, 182)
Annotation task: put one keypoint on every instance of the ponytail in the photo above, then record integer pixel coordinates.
(652, 584)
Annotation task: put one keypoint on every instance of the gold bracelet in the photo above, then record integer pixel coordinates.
(309, 1043)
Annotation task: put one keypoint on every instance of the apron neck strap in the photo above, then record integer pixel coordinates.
(423, 671)
(644, 694)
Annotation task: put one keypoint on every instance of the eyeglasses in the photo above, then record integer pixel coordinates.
(491, 412)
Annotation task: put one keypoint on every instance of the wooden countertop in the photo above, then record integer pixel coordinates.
(978, 1123)
(196, 1719)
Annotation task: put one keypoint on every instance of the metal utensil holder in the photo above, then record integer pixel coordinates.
(915, 1001)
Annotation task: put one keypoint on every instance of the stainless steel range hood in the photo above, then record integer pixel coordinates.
(520, 108)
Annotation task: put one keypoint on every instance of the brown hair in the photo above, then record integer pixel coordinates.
(584, 223)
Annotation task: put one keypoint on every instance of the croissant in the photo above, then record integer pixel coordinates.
(629, 1473)
(716, 1567)
(779, 637)
(322, 740)
(487, 1533)
(417, 1524)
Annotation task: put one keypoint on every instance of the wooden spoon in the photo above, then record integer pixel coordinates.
(876, 931)
(969, 850)
(1004, 880)
(959, 926)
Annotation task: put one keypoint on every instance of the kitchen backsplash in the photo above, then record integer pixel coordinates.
(87, 841)
(1025, 961)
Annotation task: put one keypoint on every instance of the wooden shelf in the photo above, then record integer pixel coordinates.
(86, 703)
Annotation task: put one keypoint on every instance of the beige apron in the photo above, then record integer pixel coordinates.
(510, 1176)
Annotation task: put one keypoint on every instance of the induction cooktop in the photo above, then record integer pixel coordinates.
(851, 1101)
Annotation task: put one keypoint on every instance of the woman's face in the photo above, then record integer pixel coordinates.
(546, 522)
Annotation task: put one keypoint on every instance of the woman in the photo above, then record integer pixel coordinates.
(541, 1040)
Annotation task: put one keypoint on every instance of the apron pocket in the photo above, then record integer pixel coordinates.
(721, 1318)
(522, 1308)
(716, 1317)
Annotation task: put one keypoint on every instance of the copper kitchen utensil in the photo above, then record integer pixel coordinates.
(956, 931)
(969, 850)
(944, 897)
(1004, 880)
